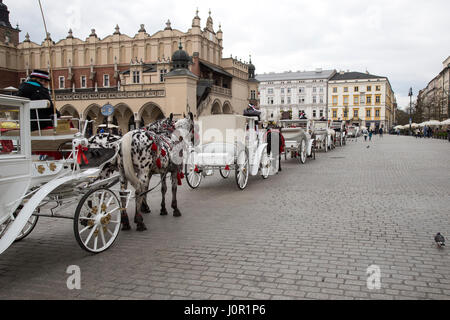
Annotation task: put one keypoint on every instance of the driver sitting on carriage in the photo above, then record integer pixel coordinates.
(36, 88)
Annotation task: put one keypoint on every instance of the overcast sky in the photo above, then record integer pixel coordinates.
(405, 40)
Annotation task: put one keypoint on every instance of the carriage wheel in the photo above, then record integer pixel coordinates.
(29, 227)
(266, 164)
(193, 178)
(97, 220)
(302, 152)
(242, 169)
(224, 173)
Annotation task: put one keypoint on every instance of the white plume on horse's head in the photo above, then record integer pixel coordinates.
(185, 127)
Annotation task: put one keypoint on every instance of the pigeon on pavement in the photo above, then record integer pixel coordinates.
(440, 240)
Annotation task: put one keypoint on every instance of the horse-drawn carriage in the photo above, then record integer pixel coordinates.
(225, 143)
(298, 140)
(323, 135)
(31, 186)
(339, 129)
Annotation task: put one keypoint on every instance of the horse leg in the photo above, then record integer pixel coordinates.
(123, 202)
(163, 194)
(138, 218)
(176, 212)
(144, 207)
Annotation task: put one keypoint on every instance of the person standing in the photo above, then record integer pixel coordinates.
(370, 134)
(365, 133)
(36, 88)
(381, 132)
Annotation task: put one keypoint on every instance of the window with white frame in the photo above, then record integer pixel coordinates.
(321, 113)
(62, 82)
(282, 90)
(282, 100)
(321, 99)
(314, 89)
(289, 100)
(289, 90)
(321, 89)
(301, 90)
(270, 91)
(314, 99)
(314, 114)
(83, 82)
(136, 77)
(106, 80)
(301, 100)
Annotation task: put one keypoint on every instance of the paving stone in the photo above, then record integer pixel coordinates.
(268, 241)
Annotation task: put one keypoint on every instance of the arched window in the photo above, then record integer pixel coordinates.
(98, 58)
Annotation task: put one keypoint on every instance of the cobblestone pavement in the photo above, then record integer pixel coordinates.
(308, 233)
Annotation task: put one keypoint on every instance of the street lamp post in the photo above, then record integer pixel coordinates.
(410, 109)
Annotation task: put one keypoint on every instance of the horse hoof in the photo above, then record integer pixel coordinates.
(176, 213)
(145, 209)
(141, 227)
(126, 227)
(163, 212)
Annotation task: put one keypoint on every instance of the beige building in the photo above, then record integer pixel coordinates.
(137, 74)
(434, 100)
(362, 99)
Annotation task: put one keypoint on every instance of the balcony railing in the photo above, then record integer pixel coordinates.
(111, 95)
(220, 90)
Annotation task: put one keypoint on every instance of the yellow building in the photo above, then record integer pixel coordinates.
(362, 99)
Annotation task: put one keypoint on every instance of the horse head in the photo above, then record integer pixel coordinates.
(103, 141)
(185, 128)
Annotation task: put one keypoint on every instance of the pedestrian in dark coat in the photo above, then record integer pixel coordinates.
(36, 88)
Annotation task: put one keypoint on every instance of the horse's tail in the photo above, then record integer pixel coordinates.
(128, 167)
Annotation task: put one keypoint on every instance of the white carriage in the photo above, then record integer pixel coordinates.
(228, 142)
(340, 138)
(323, 135)
(298, 140)
(31, 188)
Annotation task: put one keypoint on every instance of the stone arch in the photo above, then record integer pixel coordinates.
(110, 55)
(135, 51)
(216, 107)
(160, 50)
(123, 56)
(69, 110)
(64, 58)
(75, 58)
(32, 63)
(92, 112)
(86, 57)
(53, 58)
(227, 108)
(150, 112)
(148, 52)
(98, 56)
(189, 47)
(123, 114)
(42, 62)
